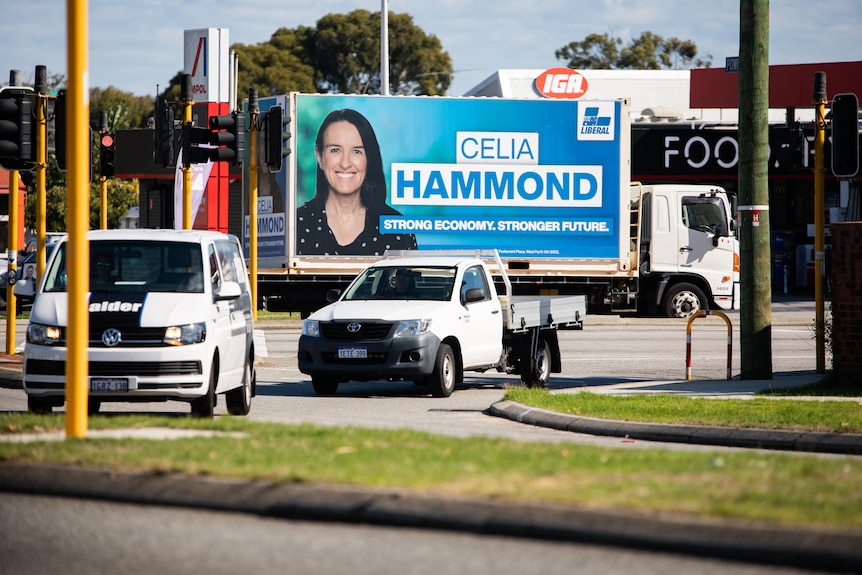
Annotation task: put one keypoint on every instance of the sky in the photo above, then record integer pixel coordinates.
(137, 46)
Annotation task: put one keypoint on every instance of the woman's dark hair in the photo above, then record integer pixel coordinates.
(373, 191)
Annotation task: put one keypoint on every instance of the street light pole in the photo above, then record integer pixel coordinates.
(384, 47)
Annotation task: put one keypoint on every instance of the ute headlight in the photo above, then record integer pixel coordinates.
(185, 334)
(311, 328)
(44, 334)
(412, 327)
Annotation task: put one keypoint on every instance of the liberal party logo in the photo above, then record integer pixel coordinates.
(596, 121)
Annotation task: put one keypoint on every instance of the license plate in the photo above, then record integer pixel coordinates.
(352, 353)
(109, 384)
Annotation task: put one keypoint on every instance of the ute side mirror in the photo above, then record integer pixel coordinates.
(474, 294)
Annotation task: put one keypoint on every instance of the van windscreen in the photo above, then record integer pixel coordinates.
(135, 266)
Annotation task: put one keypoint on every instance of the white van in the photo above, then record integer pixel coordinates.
(170, 318)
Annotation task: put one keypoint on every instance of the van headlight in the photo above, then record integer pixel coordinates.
(185, 334)
(311, 328)
(412, 327)
(39, 334)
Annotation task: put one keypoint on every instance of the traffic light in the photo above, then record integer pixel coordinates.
(845, 135)
(276, 135)
(17, 126)
(60, 129)
(224, 141)
(163, 151)
(227, 133)
(106, 155)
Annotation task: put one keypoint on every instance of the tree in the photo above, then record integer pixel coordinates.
(647, 52)
(345, 51)
(274, 67)
(125, 110)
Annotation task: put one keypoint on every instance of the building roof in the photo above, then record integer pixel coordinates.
(4, 182)
(655, 95)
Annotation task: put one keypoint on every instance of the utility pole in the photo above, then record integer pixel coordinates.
(755, 265)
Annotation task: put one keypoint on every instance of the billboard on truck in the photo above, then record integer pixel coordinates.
(530, 178)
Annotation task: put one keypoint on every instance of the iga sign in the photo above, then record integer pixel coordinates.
(561, 83)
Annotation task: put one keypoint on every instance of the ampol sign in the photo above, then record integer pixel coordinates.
(561, 83)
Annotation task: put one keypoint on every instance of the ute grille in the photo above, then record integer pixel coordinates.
(368, 330)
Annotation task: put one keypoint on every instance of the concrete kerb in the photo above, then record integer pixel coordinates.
(821, 549)
(844, 444)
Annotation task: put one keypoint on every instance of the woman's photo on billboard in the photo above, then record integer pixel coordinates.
(343, 217)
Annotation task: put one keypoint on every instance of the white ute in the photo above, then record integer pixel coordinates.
(429, 317)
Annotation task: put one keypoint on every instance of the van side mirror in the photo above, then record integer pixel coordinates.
(229, 290)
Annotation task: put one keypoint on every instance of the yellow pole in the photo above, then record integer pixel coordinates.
(78, 146)
(41, 169)
(252, 209)
(103, 203)
(12, 245)
(187, 172)
(819, 222)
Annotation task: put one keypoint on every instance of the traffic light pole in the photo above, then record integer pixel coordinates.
(42, 98)
(103, 180)
(254, 113)
(187, 101)
(820, 100)
(12, 245)
(78, 146)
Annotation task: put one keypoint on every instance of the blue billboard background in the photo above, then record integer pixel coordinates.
(423, 131)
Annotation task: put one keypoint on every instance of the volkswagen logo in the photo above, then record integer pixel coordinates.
(111, 337)
(354, 327)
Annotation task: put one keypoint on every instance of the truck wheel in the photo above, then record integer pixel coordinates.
(239, 400)
(683, 300)
(324, 385)
(204, 407)
(442, 380)
(538, 367)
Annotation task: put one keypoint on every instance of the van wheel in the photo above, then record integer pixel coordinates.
(442, 379)
(683, 300)
(324, 385)
(204, 406)
(239, 400)
(538, 367)
(39, 406)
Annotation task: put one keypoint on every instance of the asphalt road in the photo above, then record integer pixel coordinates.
(86, 536)
(610, 355)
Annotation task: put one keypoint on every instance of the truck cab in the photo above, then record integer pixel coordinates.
(688, 250)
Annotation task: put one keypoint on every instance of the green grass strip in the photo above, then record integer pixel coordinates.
(772, 487)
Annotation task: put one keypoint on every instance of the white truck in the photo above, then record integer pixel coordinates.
(545, 182)
(428, 319)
